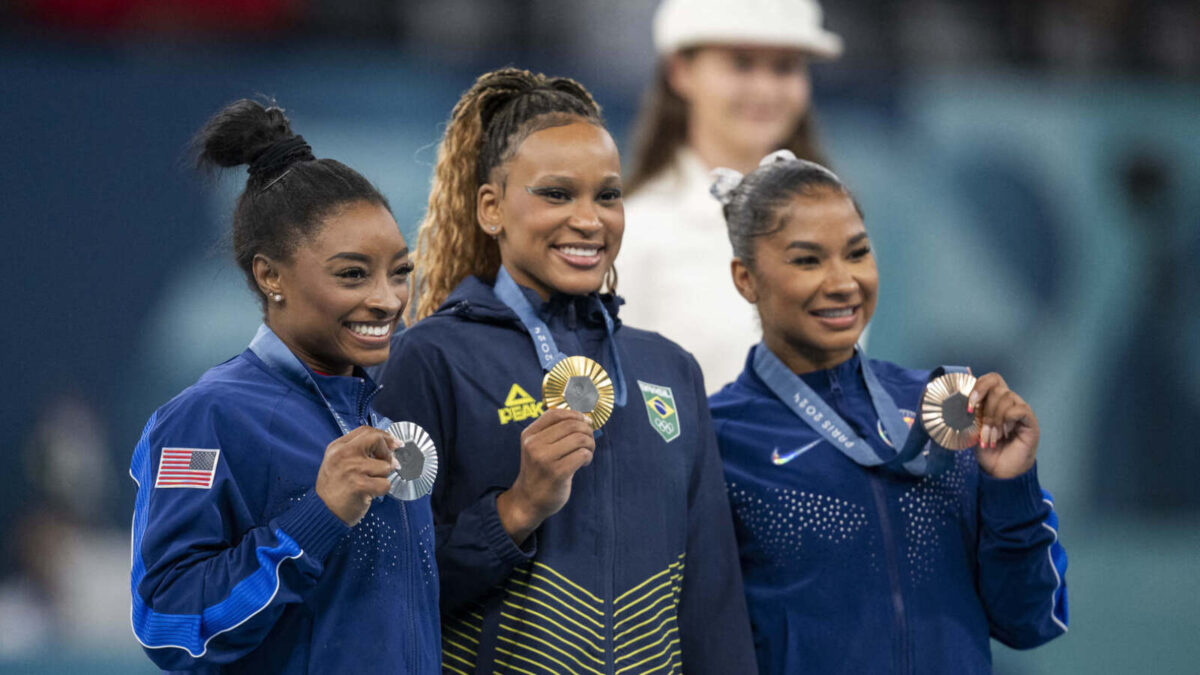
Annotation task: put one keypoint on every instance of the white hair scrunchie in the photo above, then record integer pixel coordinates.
(778, 156)
(725, 181)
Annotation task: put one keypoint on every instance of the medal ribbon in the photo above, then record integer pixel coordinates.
(799, 398)
(508, 292)
(267, 346)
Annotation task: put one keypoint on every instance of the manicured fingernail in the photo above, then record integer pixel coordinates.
(972, 401)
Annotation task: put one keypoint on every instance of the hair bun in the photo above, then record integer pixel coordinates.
(241, 133)
(725, 181)
(778, 156)
(280, 155)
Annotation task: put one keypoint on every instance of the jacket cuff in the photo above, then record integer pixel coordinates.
(498, 540)
(312, 525)
(1010, 499)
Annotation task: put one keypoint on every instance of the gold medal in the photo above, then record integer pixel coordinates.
(418, 461)
(579, 383)
(944, 411)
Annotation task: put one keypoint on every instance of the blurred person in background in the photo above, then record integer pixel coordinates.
(560, 549)
(60, 544)
(260, 543)
(732, 85)
(865, 546)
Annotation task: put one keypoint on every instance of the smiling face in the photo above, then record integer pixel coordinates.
(814, 281)
(555, 208)
(342, 292)
(747, 100)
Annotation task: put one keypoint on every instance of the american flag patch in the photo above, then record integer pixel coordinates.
(186, 467)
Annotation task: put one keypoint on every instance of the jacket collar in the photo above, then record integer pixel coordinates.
(473, 299)
(844, 373)
(345, 394)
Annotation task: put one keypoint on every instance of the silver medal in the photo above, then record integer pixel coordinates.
(417, 457)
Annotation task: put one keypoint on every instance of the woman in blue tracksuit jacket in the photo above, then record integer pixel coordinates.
(560, 550)
(261, 540)
(859, 557)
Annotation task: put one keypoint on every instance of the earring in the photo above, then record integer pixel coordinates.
(277, 297)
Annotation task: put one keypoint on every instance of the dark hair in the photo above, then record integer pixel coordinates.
(752, 207)
(520, 104)
(486, 127)
(662, 124)
(288, 193)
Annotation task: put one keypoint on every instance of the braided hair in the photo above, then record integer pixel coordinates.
(486, 127)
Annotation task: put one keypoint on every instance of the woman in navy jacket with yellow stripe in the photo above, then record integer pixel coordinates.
(261, 540)
(866, 548)
(559, 550)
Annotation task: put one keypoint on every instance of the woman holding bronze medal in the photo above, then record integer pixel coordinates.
(263, 540)
(582, 524)
(865, 545)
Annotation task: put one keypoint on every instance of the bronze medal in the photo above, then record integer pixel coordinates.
(944, 411)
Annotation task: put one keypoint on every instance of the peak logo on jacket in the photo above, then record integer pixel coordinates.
(519, 406)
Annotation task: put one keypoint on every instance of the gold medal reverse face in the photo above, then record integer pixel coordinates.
(579, 383)
(944, 411)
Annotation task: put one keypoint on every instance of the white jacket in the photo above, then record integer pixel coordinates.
(673, 270)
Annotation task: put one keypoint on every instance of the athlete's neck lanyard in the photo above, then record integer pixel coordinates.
(267, 346)
(547, 351)
(799, 398)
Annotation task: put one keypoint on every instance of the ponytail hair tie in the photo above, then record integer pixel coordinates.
(725, 181)
(280, 155)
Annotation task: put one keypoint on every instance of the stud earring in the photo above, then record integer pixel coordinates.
(277, 297)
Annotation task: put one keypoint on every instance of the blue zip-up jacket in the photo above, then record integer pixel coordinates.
(856, 570)
(638, 573)
(255, 574)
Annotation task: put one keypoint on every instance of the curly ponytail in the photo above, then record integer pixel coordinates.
(487, 125)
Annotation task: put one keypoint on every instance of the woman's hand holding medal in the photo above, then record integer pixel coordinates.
(1009, 432)
(553, 448)
(354, 471)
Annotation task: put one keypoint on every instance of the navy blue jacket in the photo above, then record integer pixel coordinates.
(638, 573)
(255, 574)
(856, 570)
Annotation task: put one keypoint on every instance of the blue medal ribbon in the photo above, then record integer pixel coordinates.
(799, 398)
(267, 346)
(508, 292)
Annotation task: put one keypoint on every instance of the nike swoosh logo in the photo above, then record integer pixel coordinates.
(784, 459)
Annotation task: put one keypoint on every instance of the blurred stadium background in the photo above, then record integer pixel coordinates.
(1030, 174)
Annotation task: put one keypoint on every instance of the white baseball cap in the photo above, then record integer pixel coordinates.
(679, 24)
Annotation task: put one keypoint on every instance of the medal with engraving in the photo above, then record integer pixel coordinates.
(573, 382)
(944, 411)
(579, 383)
(418, 462)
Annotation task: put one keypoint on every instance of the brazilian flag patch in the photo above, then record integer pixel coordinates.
(660, 408)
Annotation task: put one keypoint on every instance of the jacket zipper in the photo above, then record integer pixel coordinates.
(889, 545)
(610, 592)
(412, 586)
(364, 398)
(879, 492)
